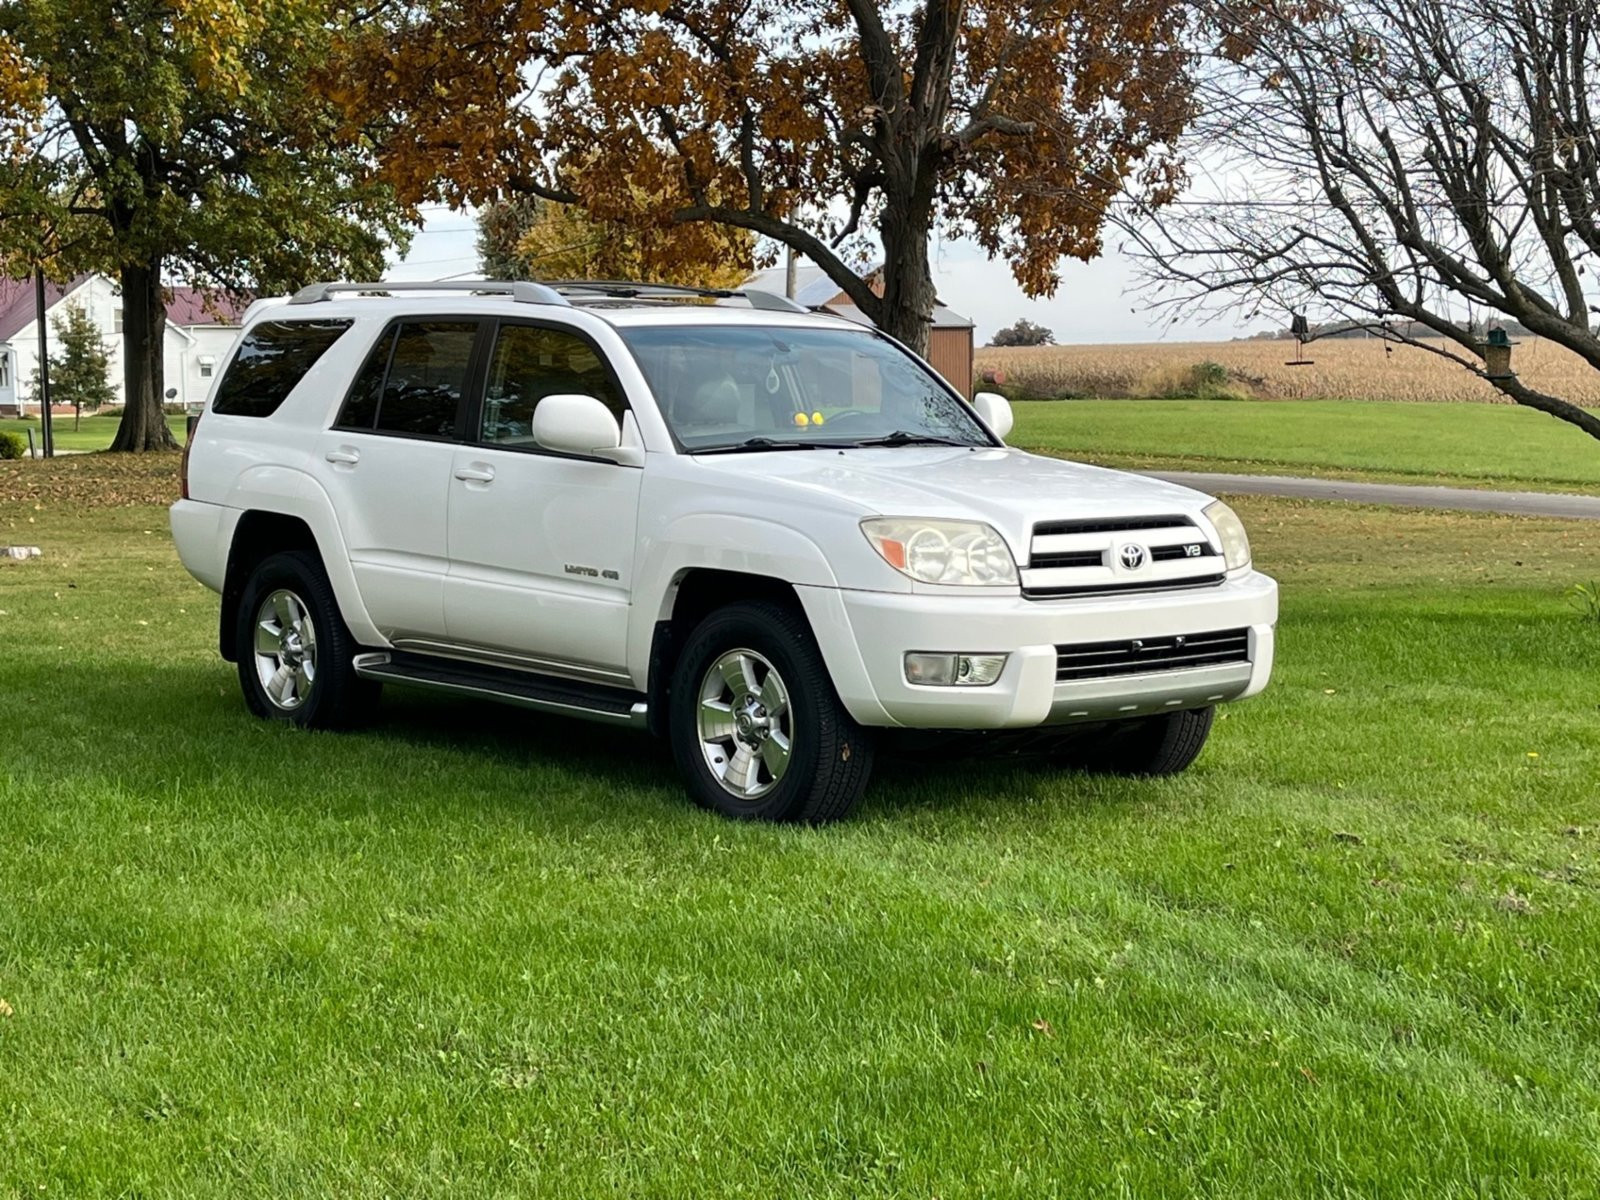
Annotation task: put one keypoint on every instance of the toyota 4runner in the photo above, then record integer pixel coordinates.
(763, 533)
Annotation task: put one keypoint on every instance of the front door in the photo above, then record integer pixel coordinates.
(541, 544)
(386, 467)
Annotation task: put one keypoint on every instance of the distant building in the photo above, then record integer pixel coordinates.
(949, 339)
(198, 337)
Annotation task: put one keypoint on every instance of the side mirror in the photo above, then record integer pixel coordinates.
(573, 424)
(995, 410)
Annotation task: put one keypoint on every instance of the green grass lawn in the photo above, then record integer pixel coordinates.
(1472, 445)
(93, 433)
(475, 952)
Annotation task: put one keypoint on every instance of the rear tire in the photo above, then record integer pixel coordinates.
(1144, 746)
(756, 727)
(295, 651)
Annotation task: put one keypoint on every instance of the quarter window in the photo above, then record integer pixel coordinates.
(530, 363)
(361, 405)
(413, 381)
(273, 357)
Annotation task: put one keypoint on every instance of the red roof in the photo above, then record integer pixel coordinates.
(185, 305)
(17, 302)
(191, 306)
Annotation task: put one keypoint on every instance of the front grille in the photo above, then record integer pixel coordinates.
(1101, 589)
(1089, 556)
(1145, 656)
(1072, 558)
(1116, 525)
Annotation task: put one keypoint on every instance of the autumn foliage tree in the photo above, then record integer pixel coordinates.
(525, 237)
(816, 123)
(138, 138)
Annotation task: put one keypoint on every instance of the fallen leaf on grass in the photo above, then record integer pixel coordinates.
(1351, 839)
(1045, 1027)
(6, 1010)
(1514, 902)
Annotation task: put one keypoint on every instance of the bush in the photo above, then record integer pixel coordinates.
(1200, 381)
(12, 445)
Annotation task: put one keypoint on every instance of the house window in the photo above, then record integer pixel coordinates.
(5, 370)
(116, 320)
(207, 366)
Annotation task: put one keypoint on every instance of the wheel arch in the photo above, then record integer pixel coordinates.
(258, 535)
(696, 593)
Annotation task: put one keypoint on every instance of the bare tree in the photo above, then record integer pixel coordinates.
(1414, 166)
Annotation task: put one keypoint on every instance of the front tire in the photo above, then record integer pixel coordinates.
(1144, 746)
(295, 652)
(756, 727)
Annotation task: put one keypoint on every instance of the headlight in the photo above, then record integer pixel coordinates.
(1235, 542)
(954, 552)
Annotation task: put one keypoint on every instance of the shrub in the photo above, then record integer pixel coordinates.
(12, 445)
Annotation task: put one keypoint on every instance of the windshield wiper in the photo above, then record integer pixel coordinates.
(902, 437)
(752, 445)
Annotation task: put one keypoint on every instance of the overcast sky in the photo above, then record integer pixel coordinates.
(1095, 303)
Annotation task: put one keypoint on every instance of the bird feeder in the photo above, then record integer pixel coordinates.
(1496, 351)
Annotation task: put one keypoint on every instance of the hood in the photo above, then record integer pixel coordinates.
(1010, 489)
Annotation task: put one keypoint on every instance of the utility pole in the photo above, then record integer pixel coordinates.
(790, 275)
(44, 365)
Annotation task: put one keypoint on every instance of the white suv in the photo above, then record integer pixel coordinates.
(766, 534)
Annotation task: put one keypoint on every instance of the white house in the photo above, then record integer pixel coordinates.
(198, 337)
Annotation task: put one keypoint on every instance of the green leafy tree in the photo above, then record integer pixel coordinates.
(80, 373)
(173, 136)
(1024, 333)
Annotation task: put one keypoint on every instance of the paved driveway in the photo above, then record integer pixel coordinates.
(1522, 504)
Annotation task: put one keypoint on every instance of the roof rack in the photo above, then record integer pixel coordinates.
(521, 291)
(625, 289)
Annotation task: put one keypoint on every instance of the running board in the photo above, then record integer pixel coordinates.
(543, 693)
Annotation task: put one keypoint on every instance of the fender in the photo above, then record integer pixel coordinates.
(723, 542)
(294, 493)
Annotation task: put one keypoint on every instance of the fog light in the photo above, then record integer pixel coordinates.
(954, 670)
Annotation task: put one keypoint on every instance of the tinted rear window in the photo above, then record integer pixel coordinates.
(270, 361)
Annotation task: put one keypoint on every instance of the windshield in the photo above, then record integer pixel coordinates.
(726, 388)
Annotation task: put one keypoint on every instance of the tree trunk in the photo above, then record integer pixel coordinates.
(908, 292)
(144, 326)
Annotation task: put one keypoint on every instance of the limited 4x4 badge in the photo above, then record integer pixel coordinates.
(592, 572)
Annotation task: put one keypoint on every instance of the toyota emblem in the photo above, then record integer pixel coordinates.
(1133, 556)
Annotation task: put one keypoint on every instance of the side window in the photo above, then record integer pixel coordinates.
(271, 359)
(529, 364)
(427, 377)
(361, 405)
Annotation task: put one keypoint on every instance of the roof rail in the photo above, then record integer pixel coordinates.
(521, 291)
(625, 289)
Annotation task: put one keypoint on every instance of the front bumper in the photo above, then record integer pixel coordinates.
(864, 637)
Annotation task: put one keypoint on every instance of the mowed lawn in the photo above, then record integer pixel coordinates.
(93, 432)
(1473, 445)
(474, 952)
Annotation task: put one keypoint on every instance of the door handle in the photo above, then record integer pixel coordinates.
(344, 455)
(476, 474)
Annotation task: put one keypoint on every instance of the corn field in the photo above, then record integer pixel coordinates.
(1341, 369)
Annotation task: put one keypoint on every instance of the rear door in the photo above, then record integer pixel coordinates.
(386, 466)
(541, 544)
